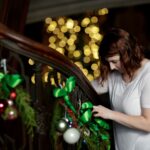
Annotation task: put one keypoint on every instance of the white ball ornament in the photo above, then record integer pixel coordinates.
(71, 135)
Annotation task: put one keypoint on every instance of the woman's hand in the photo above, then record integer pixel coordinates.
(101, 111)
(141, 122)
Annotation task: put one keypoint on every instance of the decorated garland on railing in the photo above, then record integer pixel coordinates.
(78, 126)
(15, 101)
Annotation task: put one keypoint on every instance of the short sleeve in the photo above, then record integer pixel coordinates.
(100, 89)
(145, 93)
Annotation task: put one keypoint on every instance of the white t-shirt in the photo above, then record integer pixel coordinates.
(129, 99)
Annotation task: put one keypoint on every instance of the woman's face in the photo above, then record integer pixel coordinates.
(115, 63)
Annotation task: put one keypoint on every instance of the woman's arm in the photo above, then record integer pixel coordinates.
(137, 122)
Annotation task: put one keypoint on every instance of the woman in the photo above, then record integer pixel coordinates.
(125, 74)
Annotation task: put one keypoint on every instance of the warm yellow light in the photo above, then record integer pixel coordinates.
(64, 29)
(86, 59)
(79, 64)
(87, 52)
(45, 77)
(94, 19)
(95, 49)
(48, 20)
(33, 79)
(71, 31)
(87, 30)
(94, 66)
(85, 22)
(77, 28)
(70, 42)
(96, 73)
(60, 35)
(52, 45)
(103, 11)
(65, 38)
(90, 77)
(97, 37)
(62, 43)
(31, 61)
(56, 31)
(94, 29)
(71, 47)
(69, 23)
(73, 36)
(52, 81)
(91, 35)
(85, 71)
(50, 68)
(58, 75)
(77, 54)
(52, 39)
(60, 50)
(52, 26)
(61, 21)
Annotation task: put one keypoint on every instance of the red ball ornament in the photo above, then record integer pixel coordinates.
(13, 95)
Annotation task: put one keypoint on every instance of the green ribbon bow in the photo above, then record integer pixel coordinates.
(63, 92)
(85, 115)
(86, 107)
(9, 81)
(86, 111)
(95, 124)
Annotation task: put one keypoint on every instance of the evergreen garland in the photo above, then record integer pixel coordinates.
(94, 131)
(15, 100)
(92, 141)
(27, 113)
(57, 114)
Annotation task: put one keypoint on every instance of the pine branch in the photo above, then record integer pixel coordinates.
(57, 115)
(27, 113)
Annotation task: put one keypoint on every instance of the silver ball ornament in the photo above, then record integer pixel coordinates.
(62, 125)
(71, 135)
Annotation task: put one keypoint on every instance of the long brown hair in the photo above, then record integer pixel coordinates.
(118, 41)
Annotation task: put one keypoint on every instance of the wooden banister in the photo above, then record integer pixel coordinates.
(22, 45)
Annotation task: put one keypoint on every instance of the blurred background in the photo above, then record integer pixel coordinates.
(76, 28)
(73, 28)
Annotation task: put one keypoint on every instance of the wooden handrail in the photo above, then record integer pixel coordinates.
(41, 53)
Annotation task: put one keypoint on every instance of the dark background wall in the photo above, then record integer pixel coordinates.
(134, 19)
